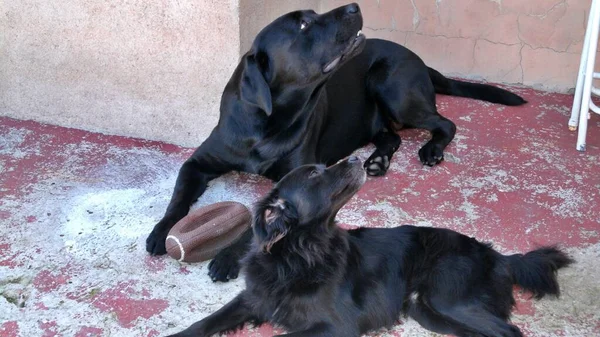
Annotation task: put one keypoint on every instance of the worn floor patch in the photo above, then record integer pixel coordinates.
(75, 209)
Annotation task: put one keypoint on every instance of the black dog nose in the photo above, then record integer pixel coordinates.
(352, 8)
(353, 159)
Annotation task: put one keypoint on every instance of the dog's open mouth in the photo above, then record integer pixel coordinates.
(353, 46)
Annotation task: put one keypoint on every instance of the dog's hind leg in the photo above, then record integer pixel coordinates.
(472, 319)
(442, 132)
(386, 143)
(194, 175)
(405, 96)
(430, 319)
(230, 317)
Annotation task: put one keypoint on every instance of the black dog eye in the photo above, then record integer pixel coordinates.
(304, 24)
(314, 173)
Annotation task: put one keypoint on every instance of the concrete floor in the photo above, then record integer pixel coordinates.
(75, 209)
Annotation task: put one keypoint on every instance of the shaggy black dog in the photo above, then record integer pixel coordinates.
(312, 90)
(315, 279)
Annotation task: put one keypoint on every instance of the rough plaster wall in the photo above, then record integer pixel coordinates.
(156, 70)
(535, 42)
(151, 69)
(255, 14)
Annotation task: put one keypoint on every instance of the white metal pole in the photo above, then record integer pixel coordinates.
(581, 75)
(589, 72)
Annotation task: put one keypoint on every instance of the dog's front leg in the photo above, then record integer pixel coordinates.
(226, 265)
(232, 316)
(194, 175)
(386, 143)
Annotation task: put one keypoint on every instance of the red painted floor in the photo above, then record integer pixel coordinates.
(75, 208)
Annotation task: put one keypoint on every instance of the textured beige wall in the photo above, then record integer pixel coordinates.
(533, 42)
(255, 14)
(151, 69)
(156, 69)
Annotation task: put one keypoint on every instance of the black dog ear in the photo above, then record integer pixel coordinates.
(254, 89)
(272, 222)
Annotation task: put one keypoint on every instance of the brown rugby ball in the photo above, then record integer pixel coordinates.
(201, 234)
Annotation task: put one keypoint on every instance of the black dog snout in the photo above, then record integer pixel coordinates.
(352, 8)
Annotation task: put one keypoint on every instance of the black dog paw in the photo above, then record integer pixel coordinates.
(155, 243)
(377, 164)
(431, 154)
(224, 267)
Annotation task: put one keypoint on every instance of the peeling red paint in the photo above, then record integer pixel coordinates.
(262, 330)
(47, 281)
(83, 293)
(49, 328)
(345, 226)
(511, 176)
(40, 306)
(4, 249)
(154, 264)
(88, 331)
(127, 309)
(153, 333)
(9, 329)
(524, 303)
(8, 261)
(4, 214)
(193, 307)
(526, 330)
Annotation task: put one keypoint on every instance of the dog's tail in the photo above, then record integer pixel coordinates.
(536, 270)
(486, 92)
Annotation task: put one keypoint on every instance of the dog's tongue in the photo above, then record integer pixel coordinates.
(329, 66)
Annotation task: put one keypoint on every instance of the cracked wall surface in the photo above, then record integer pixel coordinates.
(535, 42)
(156, 70)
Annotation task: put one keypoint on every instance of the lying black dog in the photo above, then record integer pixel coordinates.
(312, 90)
(315, 279)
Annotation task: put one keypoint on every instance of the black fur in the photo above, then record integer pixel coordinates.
(285, 107)
(315, 279)
(532, 270)
(484, 92)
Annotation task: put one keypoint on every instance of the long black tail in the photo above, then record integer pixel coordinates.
(486, 92)
(536, 270)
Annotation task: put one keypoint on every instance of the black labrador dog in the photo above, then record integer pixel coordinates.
(306, 274)
(313, 89)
